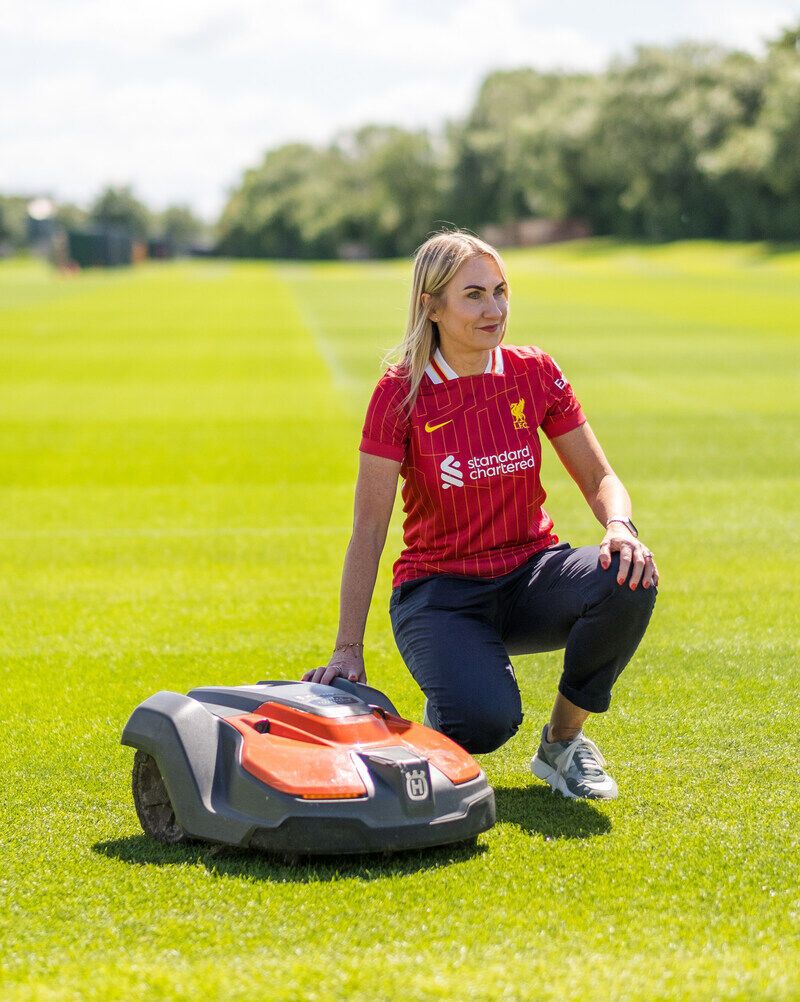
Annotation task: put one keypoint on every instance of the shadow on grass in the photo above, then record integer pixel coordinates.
(605, 246)
(539, 810)
(229, 861)
(778, 249)
(534, 810)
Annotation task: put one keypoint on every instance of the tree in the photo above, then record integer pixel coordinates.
(117, 208)
(378, 186)
(757, 168)
(395, 186)
(263, 216)
(13, 221)
(659, 114)
(71, 216)
(179, 225)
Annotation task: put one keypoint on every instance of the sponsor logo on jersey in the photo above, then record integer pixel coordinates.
(483, 467)
(518, 413)
(433, 427)
(451, 473)
(562, 380)
(508, 461)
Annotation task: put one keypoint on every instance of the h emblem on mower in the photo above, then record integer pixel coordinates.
(417, 785)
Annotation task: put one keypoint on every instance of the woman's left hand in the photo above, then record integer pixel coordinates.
(634, 557)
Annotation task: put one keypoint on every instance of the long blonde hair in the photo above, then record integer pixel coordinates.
(435, 263)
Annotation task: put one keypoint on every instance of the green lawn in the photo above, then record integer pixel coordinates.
(178, 446)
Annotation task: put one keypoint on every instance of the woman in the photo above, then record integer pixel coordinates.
(482, 576)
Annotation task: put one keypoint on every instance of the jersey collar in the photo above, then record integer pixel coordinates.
(439, 371)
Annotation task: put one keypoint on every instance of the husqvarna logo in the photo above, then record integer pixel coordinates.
(451, 473)
(417, 785)
(327, 700)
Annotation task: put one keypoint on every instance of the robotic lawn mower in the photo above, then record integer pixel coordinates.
(302, 769)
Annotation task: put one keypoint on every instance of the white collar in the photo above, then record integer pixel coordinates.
(494, 364)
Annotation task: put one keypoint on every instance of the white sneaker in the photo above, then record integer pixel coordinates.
(574, 768)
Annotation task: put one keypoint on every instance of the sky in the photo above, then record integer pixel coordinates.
(177, 98)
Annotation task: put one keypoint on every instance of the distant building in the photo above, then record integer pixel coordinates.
(41, 225)
(353, 250)
(161, 248)
(100, 248)
(532, 232)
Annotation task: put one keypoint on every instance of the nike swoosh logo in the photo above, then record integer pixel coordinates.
(433, 427)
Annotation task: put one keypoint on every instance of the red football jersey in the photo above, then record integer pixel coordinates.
(471, 457)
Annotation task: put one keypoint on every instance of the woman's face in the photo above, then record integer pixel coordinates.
(474, 299)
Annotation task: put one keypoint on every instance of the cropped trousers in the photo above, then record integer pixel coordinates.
(455, 635)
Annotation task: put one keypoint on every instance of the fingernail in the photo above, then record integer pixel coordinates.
(620, 580)
(646, 585)
(633, 587)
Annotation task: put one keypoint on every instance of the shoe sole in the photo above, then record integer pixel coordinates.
(542, 770)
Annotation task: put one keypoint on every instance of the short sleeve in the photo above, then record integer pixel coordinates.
(387, 427)
(563, 409)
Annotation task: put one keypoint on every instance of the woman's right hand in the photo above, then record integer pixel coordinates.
(347, 664)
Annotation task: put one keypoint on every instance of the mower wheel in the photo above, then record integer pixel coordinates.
(152, 802)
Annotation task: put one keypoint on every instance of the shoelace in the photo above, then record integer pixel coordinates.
(590, 758)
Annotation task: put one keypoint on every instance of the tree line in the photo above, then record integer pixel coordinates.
(115, 209)
(693, 140)
(688, 141)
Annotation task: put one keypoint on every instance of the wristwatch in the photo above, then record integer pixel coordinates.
(626, 522)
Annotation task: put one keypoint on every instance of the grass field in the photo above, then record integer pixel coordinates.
(177, 457)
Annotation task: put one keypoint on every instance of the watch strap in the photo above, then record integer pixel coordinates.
(626, 521)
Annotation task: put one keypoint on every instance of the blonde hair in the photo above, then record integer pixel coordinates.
(435, 262)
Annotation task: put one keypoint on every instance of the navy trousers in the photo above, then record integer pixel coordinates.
(455, 635)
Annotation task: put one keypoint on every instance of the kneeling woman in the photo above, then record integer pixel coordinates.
(482, 575)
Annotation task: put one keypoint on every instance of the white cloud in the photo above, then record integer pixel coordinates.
(111, 23)
(742, 25)
(175, 140)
